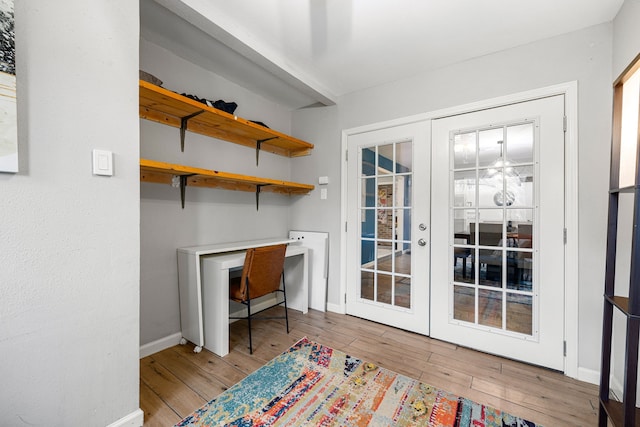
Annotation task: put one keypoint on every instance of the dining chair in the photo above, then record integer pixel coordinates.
(262, 274)
(462, 253)
(489, 234)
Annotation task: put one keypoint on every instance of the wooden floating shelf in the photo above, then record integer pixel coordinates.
(164, 106)
(164, 173)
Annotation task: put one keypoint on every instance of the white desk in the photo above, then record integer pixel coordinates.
(203, 278)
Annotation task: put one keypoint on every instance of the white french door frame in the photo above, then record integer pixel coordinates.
(571, 272)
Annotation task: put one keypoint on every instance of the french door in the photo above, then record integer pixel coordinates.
(388, 220)
(497, 279)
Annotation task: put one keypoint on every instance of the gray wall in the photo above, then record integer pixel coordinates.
(210, 215)
(69, 275)
(584, 56)
(321, 126)
(626, 36)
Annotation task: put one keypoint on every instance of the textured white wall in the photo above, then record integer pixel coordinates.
(210, 215)
(584, 56)
(69, 241)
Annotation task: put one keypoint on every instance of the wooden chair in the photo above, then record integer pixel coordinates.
(261, 274)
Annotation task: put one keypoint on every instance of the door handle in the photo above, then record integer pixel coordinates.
(422, 242)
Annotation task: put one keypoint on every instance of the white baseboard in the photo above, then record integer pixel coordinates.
(174, 339)
(589, 375)
(134, 419)
(335, 308)
(159, 345)
(593, 377)
(616, 388)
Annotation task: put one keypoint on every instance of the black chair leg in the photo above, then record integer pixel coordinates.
(284, 293)
(249, 321)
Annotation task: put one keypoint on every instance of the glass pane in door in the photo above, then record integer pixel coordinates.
(404, 157)
(464, 305)
(490, 147)
(520, 143)
(490, 308)
(519, 313)
(402, 291)
(366, 288)
(464, 185)
(385, 214)
(384, 287)
(464, 254)
(464, 150)
(492, 234)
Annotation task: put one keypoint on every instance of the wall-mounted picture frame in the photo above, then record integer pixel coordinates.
(8, 100)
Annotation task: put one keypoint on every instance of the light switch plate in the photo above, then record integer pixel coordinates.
(102, 162)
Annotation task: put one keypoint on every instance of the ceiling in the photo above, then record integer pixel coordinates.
(304, 52)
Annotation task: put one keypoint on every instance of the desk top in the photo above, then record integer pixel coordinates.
(233, 246)
(236, 259)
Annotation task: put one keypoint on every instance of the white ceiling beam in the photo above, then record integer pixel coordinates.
(202, 14)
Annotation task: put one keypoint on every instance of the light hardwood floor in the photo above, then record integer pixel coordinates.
(176, 381)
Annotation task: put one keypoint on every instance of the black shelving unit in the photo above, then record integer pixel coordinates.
(622, 413)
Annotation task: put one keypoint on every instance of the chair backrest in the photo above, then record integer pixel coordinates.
(525, 234)
(262, 270)
(490, 234)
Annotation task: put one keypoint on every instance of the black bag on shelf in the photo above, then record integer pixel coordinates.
(228, 107)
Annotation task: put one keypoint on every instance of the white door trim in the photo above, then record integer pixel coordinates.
(570, 90)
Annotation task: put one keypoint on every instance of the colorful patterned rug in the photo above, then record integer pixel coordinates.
(314, 385)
